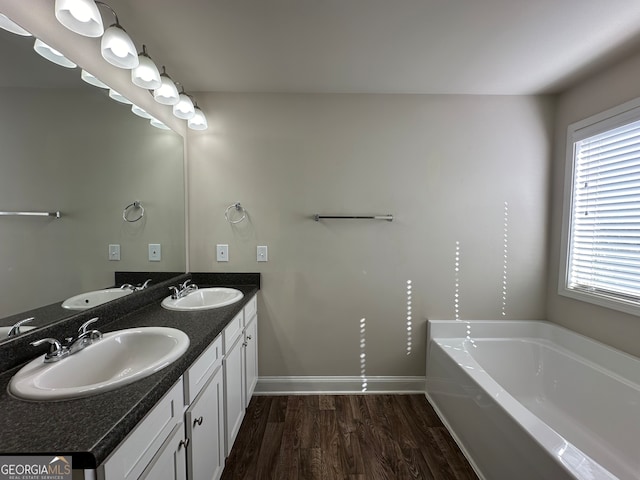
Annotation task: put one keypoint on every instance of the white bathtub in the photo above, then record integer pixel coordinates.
(532, 400)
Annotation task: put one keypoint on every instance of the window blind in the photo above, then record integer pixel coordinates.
(604, 247)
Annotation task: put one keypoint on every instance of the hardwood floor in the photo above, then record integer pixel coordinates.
(351, 437)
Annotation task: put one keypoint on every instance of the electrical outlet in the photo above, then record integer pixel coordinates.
(114, 251)
(155, 252)
(222, 253)
(262, 253)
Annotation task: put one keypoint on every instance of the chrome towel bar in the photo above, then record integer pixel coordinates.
(31, 214)
(389, 218)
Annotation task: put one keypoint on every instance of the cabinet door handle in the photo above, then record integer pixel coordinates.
(197, 421)
(184, 443)
(244, 344)
(248, 337)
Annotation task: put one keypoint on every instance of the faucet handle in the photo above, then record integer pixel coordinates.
(56, 350)
(144, 285)
(83, 327)
(184, 285)
(15, 329)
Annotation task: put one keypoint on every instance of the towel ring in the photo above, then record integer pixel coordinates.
(134, 205)
(239, 208)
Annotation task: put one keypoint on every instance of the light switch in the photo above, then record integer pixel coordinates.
(262, 253)
(155, 252)
(114, 251)
(222, 253)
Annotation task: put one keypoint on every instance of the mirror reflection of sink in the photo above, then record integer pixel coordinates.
(204, 299)
(95, 298)
(4, 331)
(120, 358)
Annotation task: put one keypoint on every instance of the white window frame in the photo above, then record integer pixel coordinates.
(615, 117)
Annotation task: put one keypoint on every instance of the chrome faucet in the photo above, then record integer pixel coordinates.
(135, 288)
(58, 351)
(183, 289)
(15, 330)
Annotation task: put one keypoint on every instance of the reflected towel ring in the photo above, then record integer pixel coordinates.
(239, 208)
(134, 205)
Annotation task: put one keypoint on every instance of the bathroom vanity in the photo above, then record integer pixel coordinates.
(180, 422)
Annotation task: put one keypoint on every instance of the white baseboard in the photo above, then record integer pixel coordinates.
(338, 385)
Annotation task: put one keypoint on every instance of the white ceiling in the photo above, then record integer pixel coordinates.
(382, 46)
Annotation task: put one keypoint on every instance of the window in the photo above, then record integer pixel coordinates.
(601, 229)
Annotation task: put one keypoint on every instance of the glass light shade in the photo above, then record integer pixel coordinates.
(184, 109)
(118, 97)
(146, 74)
(118, 48)
(167, 93)
(198, 121)
(141, 112)
(158, 124)
(52, 54)
(80, 16)
(92, 80)
(10, 26)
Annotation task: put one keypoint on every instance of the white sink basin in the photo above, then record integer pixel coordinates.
(120, 358)
(204, 299)
(4, 331)
(95, 298)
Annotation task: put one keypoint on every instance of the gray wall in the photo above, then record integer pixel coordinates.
(87, 156)
(601, 92)
(444, 166)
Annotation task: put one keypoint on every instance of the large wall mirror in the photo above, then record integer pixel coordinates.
(66, 146)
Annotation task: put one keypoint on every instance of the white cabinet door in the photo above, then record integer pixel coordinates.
(250, 359)
(233, 392)
(169, 462)
(205, 426)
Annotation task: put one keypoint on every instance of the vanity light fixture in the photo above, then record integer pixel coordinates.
(198, 121)
(80, 16)
(118, 97)
(184, 109)
(52, 54)
(146, 74)
(117, 47)
(92, 79)
(11, 26)
(167, 93)
(141, 112)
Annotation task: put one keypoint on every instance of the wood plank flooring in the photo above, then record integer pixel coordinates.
(351, 437)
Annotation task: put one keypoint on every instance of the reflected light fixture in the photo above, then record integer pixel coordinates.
(52, 54)
(10, 26)
(158, 124)
(184, 109)
(141, 112)
(167, 93)
(80, 16)
(92, 79)
(198, 121)
(146, 74)
(118, 97)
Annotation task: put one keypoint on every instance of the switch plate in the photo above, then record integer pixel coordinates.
(155, 252)
(222, 253)
(262, 253)
(114, 251)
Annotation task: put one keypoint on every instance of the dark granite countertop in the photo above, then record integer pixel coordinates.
(90, 428)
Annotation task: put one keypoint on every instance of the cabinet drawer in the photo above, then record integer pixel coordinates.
(250, 309)
(232, 331)
(199, 373)
(133, 455)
